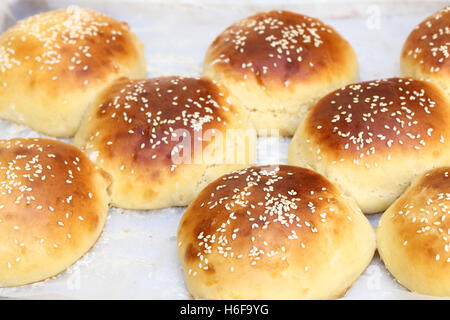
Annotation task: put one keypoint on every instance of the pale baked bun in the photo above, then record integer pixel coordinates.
(372, 138)
(273, 232)
(53, 206)
(277, 64)
(425, 53)
(413, 235)
(136, 131)
(53, 64)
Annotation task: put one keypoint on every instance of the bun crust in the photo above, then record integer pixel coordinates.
(373, 137)
(278, 63)
(273, 232)
(425, 52)
(54, 63)
(413, 235)
(53, 208)
(133, 132)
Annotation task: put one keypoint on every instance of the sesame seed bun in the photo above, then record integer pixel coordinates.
(278, 63)
(54, 63)
(135, 128)
(372, 138)
(413, 235)
(425, 54)
(53, 206)
(273, 232)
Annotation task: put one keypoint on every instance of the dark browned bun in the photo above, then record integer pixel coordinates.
(425, 53)
(279, 46)
(134, 130)
(379, 117)
(373, 137)
(278, 63)
(53, 206)
(413, 235)
(273, 232)
(54, 63)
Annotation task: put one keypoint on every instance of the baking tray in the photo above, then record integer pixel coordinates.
(136, 256)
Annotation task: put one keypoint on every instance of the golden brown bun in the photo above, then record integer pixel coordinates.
(425, 54)
(53, 64)
(372, 138)
(273, 232)
(278, 63)
(132, 132)
(413, 235)
(53, 206)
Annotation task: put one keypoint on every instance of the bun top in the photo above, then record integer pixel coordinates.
(427, 45)
(53, 205)
(254, 216)
(279, 47)
(419, 218)
(138, 122)
(379, 118)
(44, 184)
(71, 47)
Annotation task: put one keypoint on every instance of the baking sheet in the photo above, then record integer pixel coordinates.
(135, 258)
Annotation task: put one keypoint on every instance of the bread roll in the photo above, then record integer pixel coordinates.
(53, 206)
(372, 138)
(273, 232)
(425, 54)
(413, 235)
(277, 64)
(163, 139)
(53, 64)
